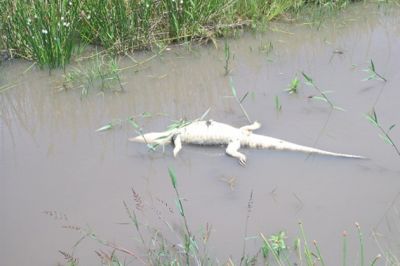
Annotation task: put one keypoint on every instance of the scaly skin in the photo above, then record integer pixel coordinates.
(214, 133)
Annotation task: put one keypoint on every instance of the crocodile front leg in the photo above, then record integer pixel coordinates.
(232, 150)
(178, 144)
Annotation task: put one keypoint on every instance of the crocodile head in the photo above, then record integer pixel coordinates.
(159, 138)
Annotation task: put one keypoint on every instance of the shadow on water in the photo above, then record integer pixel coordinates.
(52, 160)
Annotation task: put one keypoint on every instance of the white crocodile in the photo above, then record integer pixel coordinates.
(209, 132)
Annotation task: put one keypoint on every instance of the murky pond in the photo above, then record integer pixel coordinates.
(57, 172)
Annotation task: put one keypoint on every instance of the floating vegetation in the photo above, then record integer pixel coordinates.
(372, 117)
(109, 126)
(323, 97)
(373, 75)
(294, 84)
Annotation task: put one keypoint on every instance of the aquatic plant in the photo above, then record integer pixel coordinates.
(372, 117)
(239, 100)
(323, 97)
(101, 73)
(372, 73)
(294, 84)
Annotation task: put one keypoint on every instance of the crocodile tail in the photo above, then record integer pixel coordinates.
(264, 142)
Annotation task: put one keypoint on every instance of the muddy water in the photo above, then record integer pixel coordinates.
(57, 171)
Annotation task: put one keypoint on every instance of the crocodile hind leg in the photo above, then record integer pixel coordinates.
(178, 144)
(249, 128)
(232, 150)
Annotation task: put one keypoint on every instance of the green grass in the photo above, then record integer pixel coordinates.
(48, 31)
(39, 30)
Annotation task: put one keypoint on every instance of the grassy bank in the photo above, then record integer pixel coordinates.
(49, 31)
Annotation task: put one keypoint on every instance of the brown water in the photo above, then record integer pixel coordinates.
(51, 158)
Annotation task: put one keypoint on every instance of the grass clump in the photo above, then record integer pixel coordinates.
(39, 30)
(47, 31)
(102, 73)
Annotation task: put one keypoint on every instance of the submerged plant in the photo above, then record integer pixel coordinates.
(323, 97)
(372, 117)
(373, 75)
(102, 73)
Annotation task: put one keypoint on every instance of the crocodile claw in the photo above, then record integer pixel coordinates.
(242, 160)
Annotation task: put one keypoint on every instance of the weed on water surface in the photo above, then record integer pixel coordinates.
(323, 94)
(373, 75)
(293, 87)
(102, 74)
(372, 117)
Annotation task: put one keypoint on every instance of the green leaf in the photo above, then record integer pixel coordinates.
(265, 251)
(371, 120)
(338, 108)
(374, 115)
(179, 207)
(307, 78)
(132, 122)
(244, 97)
(105, 127)
(386, 139)
(319, 98)
(172, 176)
(372, 66)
